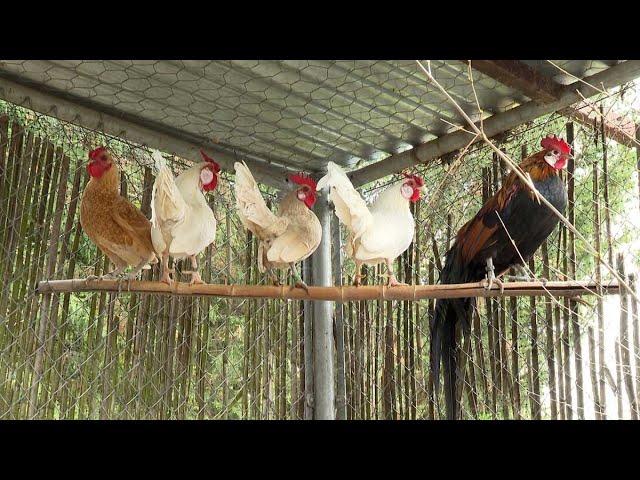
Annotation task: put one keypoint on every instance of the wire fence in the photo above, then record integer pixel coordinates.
(128, 355)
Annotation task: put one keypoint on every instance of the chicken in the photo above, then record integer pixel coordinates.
(284, 239)
(380, 233)
(483, 247)
(118, 228)
(182, 223)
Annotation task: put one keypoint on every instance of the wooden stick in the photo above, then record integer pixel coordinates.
(337, 294)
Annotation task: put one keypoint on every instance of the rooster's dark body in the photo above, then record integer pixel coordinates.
(528, 222)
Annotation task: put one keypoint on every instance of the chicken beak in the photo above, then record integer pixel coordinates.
(423, 190)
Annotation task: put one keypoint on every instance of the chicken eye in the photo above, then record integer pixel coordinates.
(556, 152)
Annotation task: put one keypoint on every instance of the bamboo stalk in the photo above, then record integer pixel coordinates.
(636, 338)
(602, 401)
(341, 398)
(624, 343)
(534, 398)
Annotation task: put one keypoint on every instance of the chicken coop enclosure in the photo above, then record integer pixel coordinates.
(566, 349)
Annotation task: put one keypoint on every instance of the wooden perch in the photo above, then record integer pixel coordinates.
(337, 294)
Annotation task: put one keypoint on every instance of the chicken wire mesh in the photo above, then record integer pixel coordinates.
(110, 355)
(119, 355)
(290, 112)
(524, 357)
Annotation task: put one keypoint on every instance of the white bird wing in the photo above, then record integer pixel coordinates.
(167, 205)
(350, 207)
(252, 209)
(389, 235)
(168, 208)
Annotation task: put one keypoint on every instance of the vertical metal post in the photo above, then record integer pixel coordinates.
(308, 344)
(323, 377)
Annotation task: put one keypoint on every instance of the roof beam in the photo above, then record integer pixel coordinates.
(542, 88)
(611, 131)
(498, 123)
(136, 131)
(520, 76)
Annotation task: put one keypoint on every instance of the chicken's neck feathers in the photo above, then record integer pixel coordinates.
(390, 199)
(188, 183)
(108, 183)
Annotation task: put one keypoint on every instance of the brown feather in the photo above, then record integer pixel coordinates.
(476, 234)
(113, 223)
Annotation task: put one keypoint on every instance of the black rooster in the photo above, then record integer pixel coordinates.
(483, 249)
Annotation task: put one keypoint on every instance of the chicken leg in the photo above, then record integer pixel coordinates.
(491, 277)
(299, 282)
(110, 275)
(166, 278)
(358, 276)
(523, 276)
(393, 281)
(195, 275)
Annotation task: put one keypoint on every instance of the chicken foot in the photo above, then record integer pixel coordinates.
(358, 277)
(166, 278)
(393, 281)
(523, 276)
(274, 278)
(491, 277)
(299, 282)
(195, 275)
(112, 275)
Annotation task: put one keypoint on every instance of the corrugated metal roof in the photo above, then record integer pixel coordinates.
(299, 113)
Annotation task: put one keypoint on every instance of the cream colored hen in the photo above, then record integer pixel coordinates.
(380, 233)
(287, 238)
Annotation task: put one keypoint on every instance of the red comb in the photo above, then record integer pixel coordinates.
(207, 158)
(93, 154)
(552, 142)
(419, 181)
(303, 179)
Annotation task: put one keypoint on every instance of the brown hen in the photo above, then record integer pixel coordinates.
(117, 227)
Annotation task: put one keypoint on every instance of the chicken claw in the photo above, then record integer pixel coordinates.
(195, 275)
(491, 277)
(195, 278)
(302, 285)
(166, 277)
(393, 282)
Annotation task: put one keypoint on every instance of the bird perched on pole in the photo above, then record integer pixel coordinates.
(508, 229)
(117, 227)
(380, 233)
(183, 224)
(284, 239)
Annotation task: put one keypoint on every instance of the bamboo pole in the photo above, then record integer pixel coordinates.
(549, 338)
(602, 401)
(534, 396)
(341, 399)
(336, 294)
(636, 338)
(625, 364)
(573, 306)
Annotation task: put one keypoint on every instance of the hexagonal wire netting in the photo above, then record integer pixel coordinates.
(110, 355)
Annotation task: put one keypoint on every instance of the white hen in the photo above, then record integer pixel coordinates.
(380, 233)
(182, 223)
